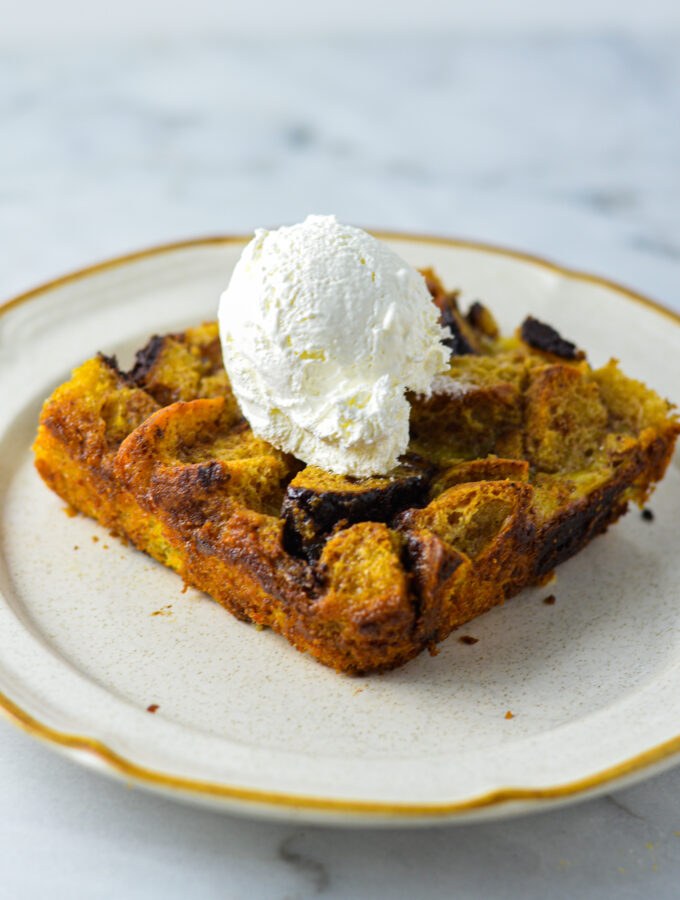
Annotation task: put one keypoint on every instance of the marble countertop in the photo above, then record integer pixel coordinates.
(564, 147)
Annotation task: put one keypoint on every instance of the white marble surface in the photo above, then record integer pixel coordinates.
(567, 147)
(43, 21)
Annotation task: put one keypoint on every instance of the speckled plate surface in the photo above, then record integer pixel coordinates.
(93, 633)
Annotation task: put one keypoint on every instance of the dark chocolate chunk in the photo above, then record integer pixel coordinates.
(451, 319)
(647, 515)
(568, 533)
(146, 358)
(479, 317)
(317, 502)
(457, 343)
(544, 337)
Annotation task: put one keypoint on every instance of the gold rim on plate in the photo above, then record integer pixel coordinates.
(119, 765)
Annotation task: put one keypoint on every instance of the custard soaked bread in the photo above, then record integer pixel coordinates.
(518, 458)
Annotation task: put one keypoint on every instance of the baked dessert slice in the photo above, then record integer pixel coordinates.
(520, 456)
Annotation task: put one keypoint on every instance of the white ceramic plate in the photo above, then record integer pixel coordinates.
(92, 632)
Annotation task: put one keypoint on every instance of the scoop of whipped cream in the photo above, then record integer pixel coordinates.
(324, 329)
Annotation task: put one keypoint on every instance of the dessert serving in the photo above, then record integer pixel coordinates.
(371, 467)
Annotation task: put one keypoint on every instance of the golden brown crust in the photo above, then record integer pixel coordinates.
(522, 460)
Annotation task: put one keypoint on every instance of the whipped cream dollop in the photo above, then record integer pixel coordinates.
(324, 328)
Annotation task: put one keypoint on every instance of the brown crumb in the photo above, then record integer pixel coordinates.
(75, 547)
(185, 587)
(358, 691)
(95, 539)
(468, 639)
(105, 546)
(163, 611)
(152, 708)
(647, 515)
(549, 601)
(509, 715)
(70, 511)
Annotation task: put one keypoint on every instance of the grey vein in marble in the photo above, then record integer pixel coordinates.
(312, 869)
